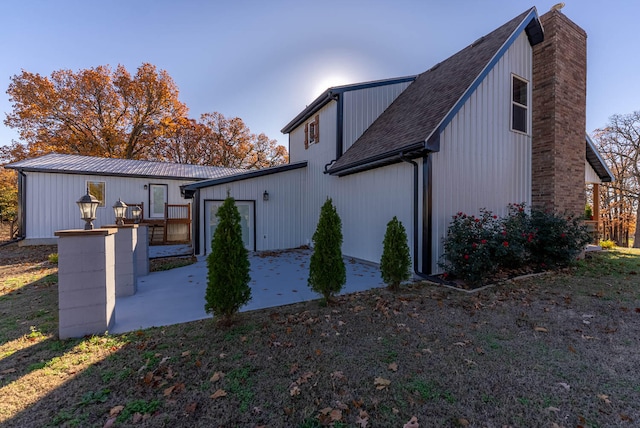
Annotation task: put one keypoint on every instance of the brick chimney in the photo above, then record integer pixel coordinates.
(559, 116)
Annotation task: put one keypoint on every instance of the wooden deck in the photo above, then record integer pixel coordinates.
(173, 228)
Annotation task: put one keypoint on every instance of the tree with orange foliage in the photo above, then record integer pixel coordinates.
(8, 195)
(94, 112)
(217, 140)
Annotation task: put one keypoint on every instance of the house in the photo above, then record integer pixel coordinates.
(499, 122)
(49, 186)
(502, 121)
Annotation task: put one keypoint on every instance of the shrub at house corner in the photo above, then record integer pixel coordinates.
(228, 265)
(327, 272)
(395, 263)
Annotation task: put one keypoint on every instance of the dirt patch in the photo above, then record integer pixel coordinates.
(556, 350)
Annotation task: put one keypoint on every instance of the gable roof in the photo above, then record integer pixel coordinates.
(597, 163)
(89, 165)
(330, 94)
(411, 125)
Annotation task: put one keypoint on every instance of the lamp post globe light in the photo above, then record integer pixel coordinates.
(88, 205)
(136, 212)
(120, 211)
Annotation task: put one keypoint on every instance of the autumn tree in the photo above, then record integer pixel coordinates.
(95, 112)
(217, 140)
(327, 272)
(619, 143)
(8, 195)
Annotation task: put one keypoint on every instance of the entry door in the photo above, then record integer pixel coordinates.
(247, 222)
(157, 200)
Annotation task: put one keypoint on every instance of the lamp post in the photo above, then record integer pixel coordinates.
(136, 211)
(88, 205)
(120, 211)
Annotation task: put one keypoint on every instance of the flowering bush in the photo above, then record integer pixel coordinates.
(469, 246)
(477, 247)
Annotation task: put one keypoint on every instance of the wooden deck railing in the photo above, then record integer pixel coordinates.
(163, 230)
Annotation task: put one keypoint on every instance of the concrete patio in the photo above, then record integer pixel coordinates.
(177, 296)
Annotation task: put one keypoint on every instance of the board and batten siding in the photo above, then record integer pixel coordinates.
(278, 221)
(365, 201)
(362, 107)
(481, 162)
(51, 199)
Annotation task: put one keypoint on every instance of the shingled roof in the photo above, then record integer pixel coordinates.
(412, 123)
(89, 165)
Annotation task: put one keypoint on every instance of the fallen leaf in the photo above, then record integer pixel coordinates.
(463, 422)
(190, 408)
(219, 393)
(110, 422)
(552, 409)
(7, 371)
(186, 353)
(294, 391)
(564, 385)
(137, 417)
(604, 398)
(216, 376)
(168, 391)
(115, 411)
(572, 349)
(362, 419)
(541, 329)
(381, 383)
(393, 367)
(326, 411)
(413, 423)
(335, 415)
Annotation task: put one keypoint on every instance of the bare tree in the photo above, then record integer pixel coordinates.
(619, 143)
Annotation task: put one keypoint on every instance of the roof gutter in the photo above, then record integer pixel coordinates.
(362, 165)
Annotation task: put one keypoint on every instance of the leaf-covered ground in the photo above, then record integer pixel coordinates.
(561, 349)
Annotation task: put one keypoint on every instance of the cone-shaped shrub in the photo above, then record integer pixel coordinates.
(327, 273)
(395, 263)
(228, 279)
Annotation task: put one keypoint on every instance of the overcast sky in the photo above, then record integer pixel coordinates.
(264, 61)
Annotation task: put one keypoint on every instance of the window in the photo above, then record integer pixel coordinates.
(96, 188)
(312, 132)
(519, 104)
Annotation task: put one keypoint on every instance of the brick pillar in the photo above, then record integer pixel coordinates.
(559, 116)
(86, 282)
(126, 241)
(142, 250)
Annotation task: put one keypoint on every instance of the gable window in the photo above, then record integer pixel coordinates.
(312, 132)
(519, 104)
(96, 188)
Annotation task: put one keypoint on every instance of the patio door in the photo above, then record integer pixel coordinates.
(247, 222)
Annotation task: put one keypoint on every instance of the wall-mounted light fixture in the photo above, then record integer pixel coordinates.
(265, 196)
(120, 211)
(146, 187)
(88, 205)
